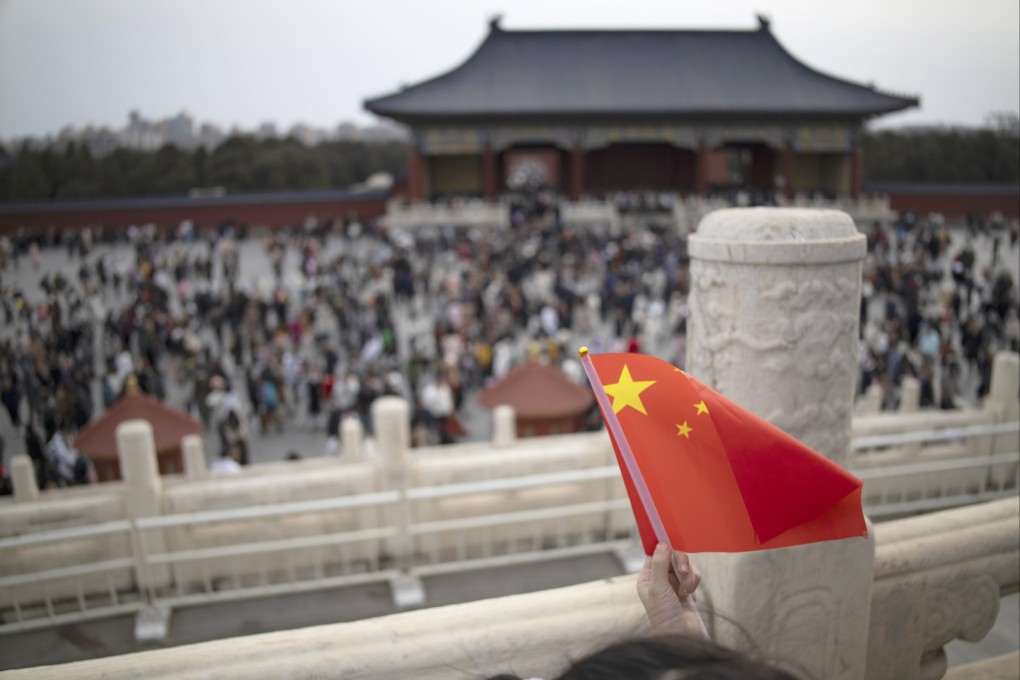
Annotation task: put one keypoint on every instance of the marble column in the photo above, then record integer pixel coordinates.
(773, 326)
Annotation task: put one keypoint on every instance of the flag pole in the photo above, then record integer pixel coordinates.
(632, 467)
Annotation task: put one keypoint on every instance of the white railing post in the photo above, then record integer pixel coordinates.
(1003, 402)
(910, 395)
(26, 486)
(391, 422)
(352, 439)
(143, 497)
(193, 449)
(773, 325)
(871, 400)
(910, 402)
(504, 426)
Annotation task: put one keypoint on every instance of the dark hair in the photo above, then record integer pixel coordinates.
(666, 657)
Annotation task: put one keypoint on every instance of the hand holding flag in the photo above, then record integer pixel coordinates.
(705, 475)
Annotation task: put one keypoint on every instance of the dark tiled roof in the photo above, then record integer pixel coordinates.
(98, 439)
(537, 391)
(632, 73)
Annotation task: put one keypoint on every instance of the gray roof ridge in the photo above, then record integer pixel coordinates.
(367, 103)
(395, 103)
(914, 100)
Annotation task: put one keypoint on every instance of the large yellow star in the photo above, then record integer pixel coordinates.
(701, 408)
(627, 392)
(683, 430)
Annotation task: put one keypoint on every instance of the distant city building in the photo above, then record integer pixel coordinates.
(305, 134)
(100, 141)
(141, 134)
(348, 131)
(266, 131)
(180, 131)
(210, 136)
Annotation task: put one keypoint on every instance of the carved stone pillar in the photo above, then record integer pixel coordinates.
(773, 325)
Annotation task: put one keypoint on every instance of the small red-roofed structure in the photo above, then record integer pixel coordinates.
(98, 439)
(544, 400)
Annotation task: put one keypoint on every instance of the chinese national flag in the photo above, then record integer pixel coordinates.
(721, 478)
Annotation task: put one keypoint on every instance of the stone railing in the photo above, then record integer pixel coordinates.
(280, 515)
(935, 578)
(579, 213)
(939, 578)
(685, 213)
(774, 326)
(467, 212)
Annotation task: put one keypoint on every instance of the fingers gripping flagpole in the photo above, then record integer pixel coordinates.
(635, 472)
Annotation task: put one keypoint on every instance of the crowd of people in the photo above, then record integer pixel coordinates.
(321, 319)
(932, 312)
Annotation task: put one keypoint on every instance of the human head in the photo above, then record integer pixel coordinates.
(667, 657)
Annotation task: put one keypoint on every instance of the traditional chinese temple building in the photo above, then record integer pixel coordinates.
(590, 112)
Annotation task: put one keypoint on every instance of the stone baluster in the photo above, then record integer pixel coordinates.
(352, 439)
(143, 497)
(1004, 402)
(871, 400)
(391, 421)
(910, 402)
(143, 490)
(504, 426)
(910, 395)
(26, 486)
(1004, 398)
(773, 326)
(193, 449)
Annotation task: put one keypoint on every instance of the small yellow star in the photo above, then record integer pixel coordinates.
(701, 408)
(627, 392)
(684, 431)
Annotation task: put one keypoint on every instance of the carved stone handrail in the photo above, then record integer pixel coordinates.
(937, 577)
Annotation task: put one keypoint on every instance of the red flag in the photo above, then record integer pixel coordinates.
(721, 478)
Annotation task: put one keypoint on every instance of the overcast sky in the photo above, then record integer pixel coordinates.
(242, 62)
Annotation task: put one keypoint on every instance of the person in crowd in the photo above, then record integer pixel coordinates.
(228, 462)
(68, 466)
(369, 312)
